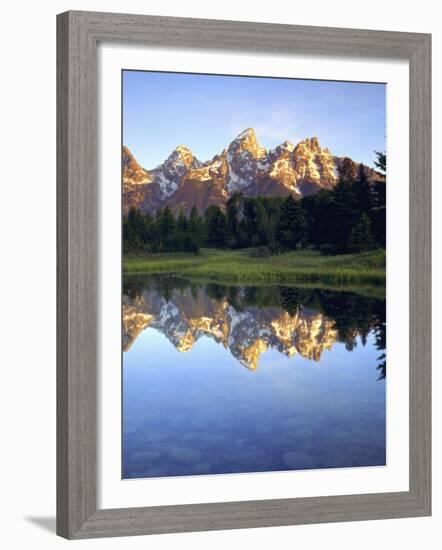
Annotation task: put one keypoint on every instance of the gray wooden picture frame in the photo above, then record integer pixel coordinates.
(78, 34)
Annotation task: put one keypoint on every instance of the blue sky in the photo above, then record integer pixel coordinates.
(206, 112)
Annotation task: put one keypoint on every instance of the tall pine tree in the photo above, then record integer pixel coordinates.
(381, 161)
(166, 226)
(292, 227)
(342, 217)
(361, 238)
(363, 191)
(217, 229)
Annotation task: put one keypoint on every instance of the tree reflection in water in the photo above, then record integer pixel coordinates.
(354, 315)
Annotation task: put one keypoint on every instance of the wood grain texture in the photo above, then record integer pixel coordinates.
(239, 35)
(77, 36)
(62, 277)
(77, 280)
(420, 273)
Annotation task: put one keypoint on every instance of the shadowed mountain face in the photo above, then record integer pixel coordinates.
(183, 181)
(248, 321)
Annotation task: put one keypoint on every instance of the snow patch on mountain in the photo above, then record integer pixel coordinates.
(168, 187)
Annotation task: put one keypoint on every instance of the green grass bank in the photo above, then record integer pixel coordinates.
(245, 267)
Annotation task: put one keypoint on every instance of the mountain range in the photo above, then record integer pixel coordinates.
(183, 181)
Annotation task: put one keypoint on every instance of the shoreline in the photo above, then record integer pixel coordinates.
(305, 268)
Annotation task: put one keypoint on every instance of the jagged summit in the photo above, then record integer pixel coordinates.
(182, 151)
(312, 143)
(183, 181)
(183, 154)
(247, 133)
(246, 141)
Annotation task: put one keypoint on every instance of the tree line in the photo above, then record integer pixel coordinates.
(349, 218)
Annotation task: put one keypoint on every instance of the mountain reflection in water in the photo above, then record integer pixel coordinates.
(251, 320)
(221, 379)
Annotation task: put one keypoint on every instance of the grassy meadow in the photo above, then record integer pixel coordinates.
(304, 267)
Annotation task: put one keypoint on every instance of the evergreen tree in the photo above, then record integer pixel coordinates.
(273, 210)
(381, 161)
(133, 230)
(189, 244)
(182, 223)
(166, 226)
(232, 212)
(318, 209)
(361, 238)
(379, 203)
(217, 228)
(250, 224)
(362, 191)
(196, 226)
(292, 227)
(379, 226)
(242, 239)
(155, 239)
(193, 220)
(262, 236)
(342, 216)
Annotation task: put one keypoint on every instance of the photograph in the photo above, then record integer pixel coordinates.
(254, 245)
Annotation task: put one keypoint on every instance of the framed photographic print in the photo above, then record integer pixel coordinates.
(243, 217)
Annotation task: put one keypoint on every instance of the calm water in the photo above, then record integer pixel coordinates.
(221, 379)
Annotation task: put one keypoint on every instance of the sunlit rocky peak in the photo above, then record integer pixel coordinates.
(314, 166)
(312, 143)
(184, 154)
(133, 173)
(246, 141)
